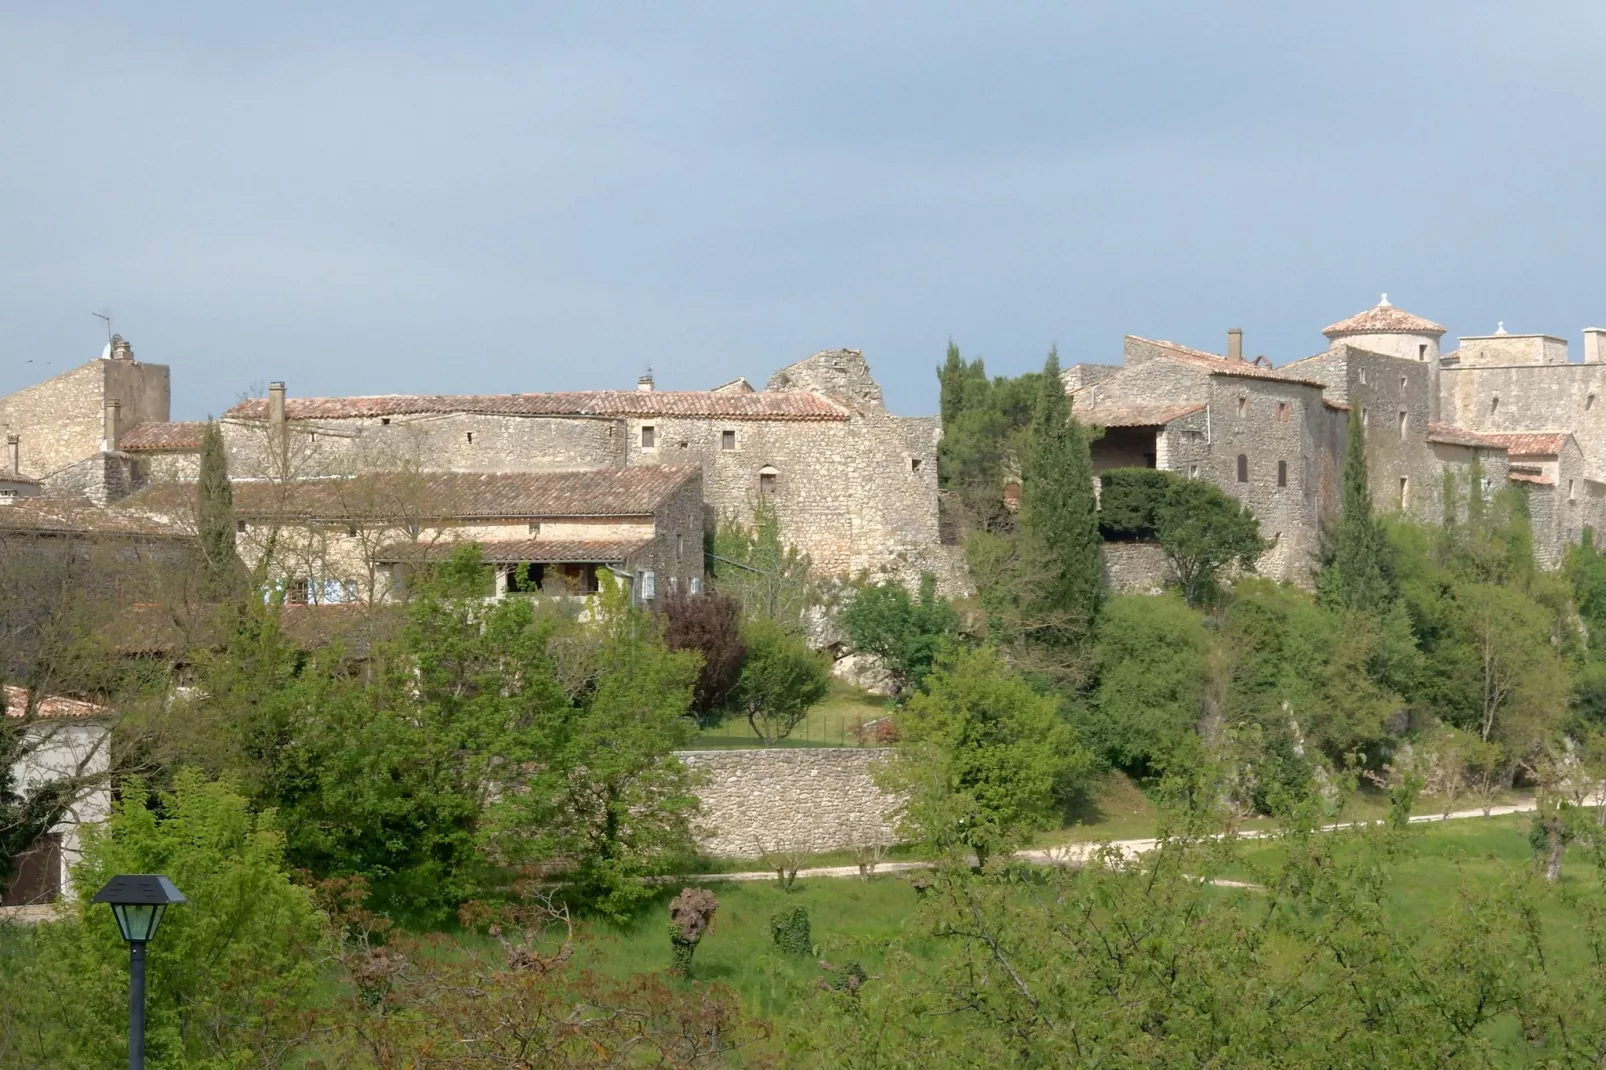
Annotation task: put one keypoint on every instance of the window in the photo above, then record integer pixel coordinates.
(1422, 351)
(1402, 383)
(695, 585)
(1589, 402)
(535, 527)
(1494, 404)
(1403, 423)
(240, 526)
(766, 484)
(727, 440)
(1363, 376)
(1366, 417)
(680, 548)
(385, 420)
(1243, 406)
(1405, 491)
(1282, 473)
(647, 436)
(1282, 412)
(351, 531)
(470, 437)
(1243, 468)
(1193, 471)
(674, 585)
(297, 590)
(914, 464)
(1570, 490)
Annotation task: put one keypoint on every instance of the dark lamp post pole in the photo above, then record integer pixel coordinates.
(138, 902)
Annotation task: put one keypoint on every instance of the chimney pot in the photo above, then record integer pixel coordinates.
(276, 403)
(1235, 343)
(121, 350)
(1594, 345)
(644, 384)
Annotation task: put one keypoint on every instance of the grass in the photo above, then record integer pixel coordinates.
(832, 723)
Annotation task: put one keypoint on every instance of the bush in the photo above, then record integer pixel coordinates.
(710, 624)
(781, 679)
(1129, 502)
(790, 932)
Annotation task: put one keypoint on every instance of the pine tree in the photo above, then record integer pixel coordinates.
(1059, 529)
(1357, 561)
(220, 565)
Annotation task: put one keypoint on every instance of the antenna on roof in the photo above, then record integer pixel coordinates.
(106, 318)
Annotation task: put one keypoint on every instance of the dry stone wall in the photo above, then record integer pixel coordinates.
(793, 798)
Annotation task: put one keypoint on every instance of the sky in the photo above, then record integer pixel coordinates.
(482, 197)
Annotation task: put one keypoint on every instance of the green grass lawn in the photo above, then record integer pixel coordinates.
(829, 724)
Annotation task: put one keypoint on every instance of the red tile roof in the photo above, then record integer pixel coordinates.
(1531, 477)
(1132, 415)
(453, 495)
(543, 551)
(1532, 443)
(162, 436)
(1460, 436)
(8, 476)
(1219, 365)
(68, 516)
(49, 706)
(710, 404)
(1383, 318)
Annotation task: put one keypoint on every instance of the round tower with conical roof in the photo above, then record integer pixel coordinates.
(1393, 332)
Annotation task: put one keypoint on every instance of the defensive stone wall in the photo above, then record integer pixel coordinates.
(792, 798)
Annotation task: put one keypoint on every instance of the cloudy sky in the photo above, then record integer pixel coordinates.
(469, 197)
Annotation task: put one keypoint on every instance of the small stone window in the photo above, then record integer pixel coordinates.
(1494, 404)
(914, 464)
(1589, 402)
(1193, 471)
(351, 531)
(680, 548)
(648, 437)
(1282, 412)
(1366, 417)
(766, 481)
(1282, 473)
(535, 527)
(1422, 351)
(1405, 491)
(1243, 406)
(1570, 491)
(240, 526)
(470, 435)
(1243, 468)
(385, 420)
(1363, 376)
(727, 440)
(1402, 382)
(1404, 422)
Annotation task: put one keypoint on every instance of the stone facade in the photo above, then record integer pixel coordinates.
(790, 799)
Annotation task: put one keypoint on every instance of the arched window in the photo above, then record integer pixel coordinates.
(1243, 468)
(767, 477)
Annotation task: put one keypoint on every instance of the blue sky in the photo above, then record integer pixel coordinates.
(504, 197)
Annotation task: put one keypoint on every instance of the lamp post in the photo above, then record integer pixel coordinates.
(138, 901)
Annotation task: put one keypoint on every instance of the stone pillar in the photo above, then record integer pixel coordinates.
(109, 425)
(278, 436)
(1594, 345)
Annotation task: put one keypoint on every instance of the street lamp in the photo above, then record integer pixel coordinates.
(138, 901)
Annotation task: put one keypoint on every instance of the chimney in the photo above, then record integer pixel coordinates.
(1235, 343)
(278, 434)
(14, 454)
(1594, 345)
(109, 422)
(644, 384)
(276, 404)
(121, 350)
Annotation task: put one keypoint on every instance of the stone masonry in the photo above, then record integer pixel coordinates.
(790, 799)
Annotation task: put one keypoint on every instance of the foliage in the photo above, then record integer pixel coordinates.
(789, 932)
(220, 566)
(983, 425)
(711, 625)
(982, 760)
(1129, 502)
(1200, 530)
(229, 969)
(1356, 563)
(690, 914)
(882, 620)
(1152, 665)
(780, 679)
(756, 566)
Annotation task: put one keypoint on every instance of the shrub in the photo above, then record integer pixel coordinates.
(710, 624)
(690, 914)
(1129, 502)
(790, 932)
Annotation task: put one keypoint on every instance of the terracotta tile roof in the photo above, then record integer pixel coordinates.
(1339, 405)
(70, 516)
(633, 491)
(1219, 365)
(1460, 436)
(1383, 318)
(1531, 443)
(544, 551)
(50, 706)
(162, 436)
(723, 404)
(1132, 415)
(1531, 477)
(8, 476)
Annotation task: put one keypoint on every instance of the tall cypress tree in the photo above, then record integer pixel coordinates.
(1357, 561)
(220, 565)
(1059, 524)
(952, 378)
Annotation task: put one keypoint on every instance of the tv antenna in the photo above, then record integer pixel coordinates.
(106, 317)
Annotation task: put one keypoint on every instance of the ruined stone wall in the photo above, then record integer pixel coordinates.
(61, 421)
(840, 373)
(1535, 397)
(1134, 568)
(792, 798)
(1158, 381)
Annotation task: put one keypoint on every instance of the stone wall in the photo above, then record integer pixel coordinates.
(1533, 397)
(790, 798)
(62, 420)
(1134, 568)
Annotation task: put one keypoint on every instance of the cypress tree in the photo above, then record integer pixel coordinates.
(1358, 565)
(1059, 526)
(952, 378)
(220, 565)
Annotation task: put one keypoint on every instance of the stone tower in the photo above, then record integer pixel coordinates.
(1394, 332)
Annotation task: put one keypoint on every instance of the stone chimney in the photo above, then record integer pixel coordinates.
(644, 384)
(1235, 343)
(14, 454)
(109, 425)
(1594, 345)
(121, 350)
(278, 433)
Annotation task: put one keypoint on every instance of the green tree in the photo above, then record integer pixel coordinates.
(1202, 532)
(781, 678)
(906, 633)
(758, 567)
(220, 564)
(1152, 664)
(1356, 564)
(982, 759)
(230, 969)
